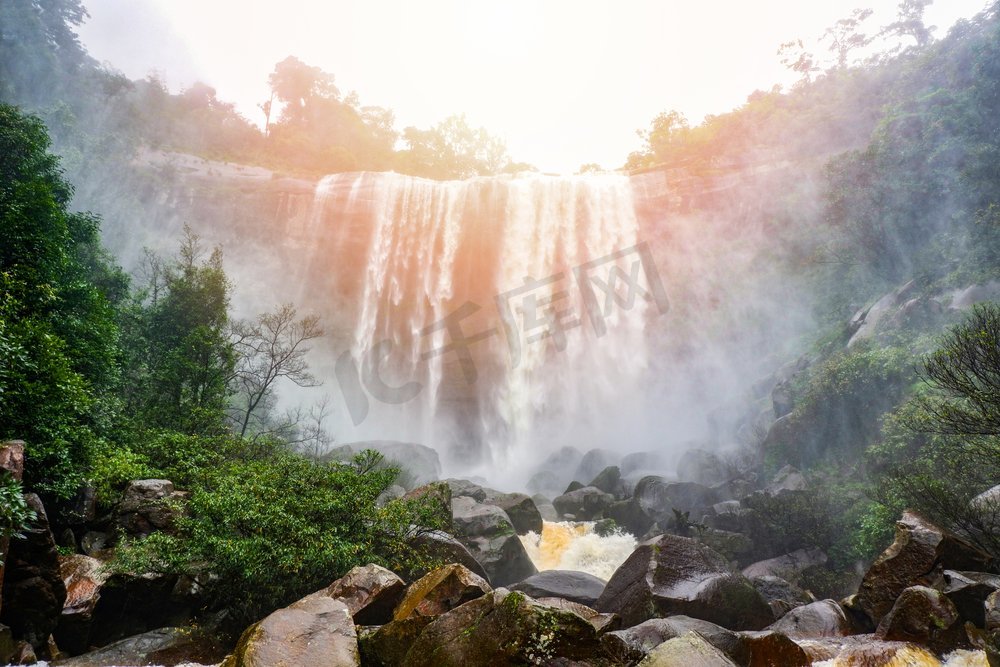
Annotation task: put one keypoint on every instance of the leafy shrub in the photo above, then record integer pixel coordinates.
(270, 531)
(15, 515)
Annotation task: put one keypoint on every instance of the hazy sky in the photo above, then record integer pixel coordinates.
(562, 81)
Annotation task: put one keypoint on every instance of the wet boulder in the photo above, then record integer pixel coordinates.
(33, 589)
(569, 585)
(420, 464)
(635, 643)
(83, 577)
(968, 591)
(609, 480)
(370, 592)
(593, 462)
(521, 510)
(703, 467)
(163, 646)
(991, 612)
(644, 462)
(773, 649)
(924, 616)
(440, 591)
(506, 628)
(387, 645)
(689, 650)
(314, 632)
(601, 622)
(443, 547)
(788, 566)
(781, 595)
(676, 575)
(918, 549)
(490, 537)
(824, 618)
(149, 505)
(583, 504)
(786, 479)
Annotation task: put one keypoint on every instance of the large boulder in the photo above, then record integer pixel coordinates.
(163, 646)
(387, 645)
(968, 591)
(919, 548)
(609, 480)
(788, 566)
(123, 608)
(644, 462)
(443, 547)
(521, 509)
(781, 595)
(83, 577)
(440, 591)
(819, 619)
(593, 462)
(924, 616)
(149, 505)
(676, 575)
(556, 471)
(567, 584)
(33, 590)
(654, 501)
(601, 622)
(371, 593)
(583, 504)
(773, 649)
(689, 650)
(635, 643)
(991, 612)
(703, 467)
(489, 535)
(314, 632)
(504, 628)
(866, 651)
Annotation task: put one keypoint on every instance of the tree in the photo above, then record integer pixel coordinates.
(269, 350)
(179, 346)
(910, 22)
(296, 84)
(795, 57)
(58, 330)
(846, 36)
(452, 149)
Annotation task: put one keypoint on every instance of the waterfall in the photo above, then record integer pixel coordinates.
(573, 545)
(498, 318)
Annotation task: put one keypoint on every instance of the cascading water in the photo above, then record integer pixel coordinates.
(499, 318)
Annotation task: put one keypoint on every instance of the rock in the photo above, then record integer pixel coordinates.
(490, 537)
(370, 592)
(545, 481)
(609, 480)
(781, 596)
(918, 548)
(545, 508)
(773, 649)
(440, 546)
(81, 509)
(677, 575)
(584, 504)
(594, 461)
(313, 632)
(866, 321)
(702, 467)
(649, 462)
(83, 579)
(781, 399)
(163, 646)
(968, 591)
(634, 643)
(991, 615)
(734, 546)
(420, 464)
(11, 461)
(504, 628)
(123, 608)
(818, 619)
(94, 543)
(556, 471)
(573, 486)
(392, 493)
(574, 586)
(987, 506)
(33, 592)
(921, 615)
(786, 479)
(658, 498)
(963, 299)
(866, 650)
(148, 505)
(440, 591)
(388, 645)
(789, 566)
(8, 647)
(602, 622)
(464, 487)
(520, 509)
(690, 650)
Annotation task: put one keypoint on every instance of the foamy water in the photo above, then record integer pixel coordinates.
(918, 657)
(573, 545)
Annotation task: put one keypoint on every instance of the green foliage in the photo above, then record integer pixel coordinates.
(268, 531)
(57, 321)
(452, 149)
(840, 403)
(15, 515)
